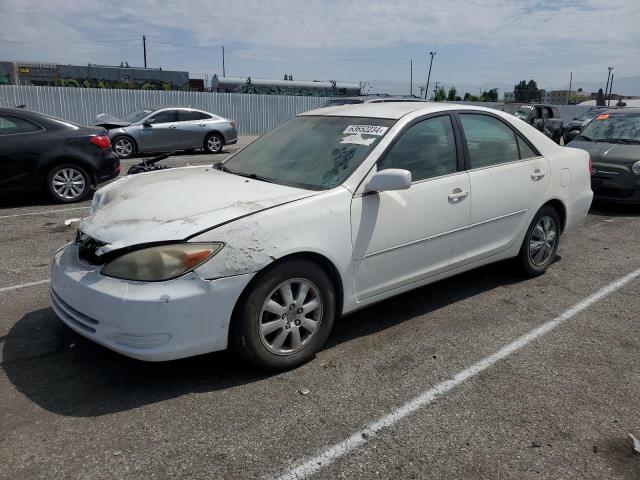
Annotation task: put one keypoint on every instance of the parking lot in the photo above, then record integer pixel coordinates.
(441, 382)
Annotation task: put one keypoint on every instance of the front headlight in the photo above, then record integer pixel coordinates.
(635, 168)
(163, 262)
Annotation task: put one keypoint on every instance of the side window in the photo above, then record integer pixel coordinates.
(546, 112)
(188, 115)
(427, 149)
(489, 140)
(525, 150)
(166, 116)
(10, 125)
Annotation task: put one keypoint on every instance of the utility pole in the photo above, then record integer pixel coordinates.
(426, 90)
(610, 90)
(411, 80)
(144, 49)
(570, 82)
(223, 70)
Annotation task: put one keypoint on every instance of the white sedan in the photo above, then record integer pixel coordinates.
(334, 210)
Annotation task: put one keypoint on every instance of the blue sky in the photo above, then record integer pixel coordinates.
(478, 43)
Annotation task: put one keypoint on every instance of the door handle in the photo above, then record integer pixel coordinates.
(173, 126)
(457, 195)
(202, 125)
(537, 174)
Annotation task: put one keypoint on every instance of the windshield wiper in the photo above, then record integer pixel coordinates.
(629, 141)
(220, 166)
(252, 176)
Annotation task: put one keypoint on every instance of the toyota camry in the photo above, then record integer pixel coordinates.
(332, 211)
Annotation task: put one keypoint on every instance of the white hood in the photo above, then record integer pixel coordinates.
(177, 203)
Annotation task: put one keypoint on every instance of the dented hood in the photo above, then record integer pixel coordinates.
(177, 203)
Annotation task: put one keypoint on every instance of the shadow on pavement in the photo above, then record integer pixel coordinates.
(67, 374)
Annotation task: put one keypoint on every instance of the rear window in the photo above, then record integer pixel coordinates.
(10, 124)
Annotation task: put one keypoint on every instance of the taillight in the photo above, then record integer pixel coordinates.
(101, 141)
(590, 166)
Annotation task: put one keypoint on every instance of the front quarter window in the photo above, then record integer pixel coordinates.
(311, 152)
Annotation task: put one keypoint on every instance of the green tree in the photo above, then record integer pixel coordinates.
(440, 95)
(526, 91)
(467, 96)
(490, 96)
(451, 96)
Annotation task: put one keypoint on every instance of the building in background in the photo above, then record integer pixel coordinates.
(92, 76)
(509, 97)
(284, 87)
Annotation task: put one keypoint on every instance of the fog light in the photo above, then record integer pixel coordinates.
(635, 168)
(143, 341)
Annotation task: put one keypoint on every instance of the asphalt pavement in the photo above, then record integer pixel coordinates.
(560, 404)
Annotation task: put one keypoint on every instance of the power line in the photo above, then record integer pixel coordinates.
(122, 40)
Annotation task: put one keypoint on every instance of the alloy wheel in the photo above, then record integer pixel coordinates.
(214, 144)
(123, 147)
(69, 183)
(290, 316)
(543, 239)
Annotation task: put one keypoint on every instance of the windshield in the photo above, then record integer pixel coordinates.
(520, 111)
(312, 152)
(137, 116)
(613, 127)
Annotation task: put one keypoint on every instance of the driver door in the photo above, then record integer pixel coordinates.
(402, 237)
(162, 134)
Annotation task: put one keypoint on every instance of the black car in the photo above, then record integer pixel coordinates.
(613, 140)
(64, 159)
(545, 118)
(573, 128)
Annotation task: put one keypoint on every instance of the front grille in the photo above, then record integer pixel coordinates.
(70, 315)
(87, 248)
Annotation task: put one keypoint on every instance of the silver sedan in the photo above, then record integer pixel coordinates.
(157, 130)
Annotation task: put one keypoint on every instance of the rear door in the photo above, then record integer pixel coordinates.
(20, 149)
(162, 134)
(193, 126)
(508, 179)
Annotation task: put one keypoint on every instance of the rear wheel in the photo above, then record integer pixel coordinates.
(213, 143)
(286, 316)
(541, 242)
(124, 146)
(68, 183)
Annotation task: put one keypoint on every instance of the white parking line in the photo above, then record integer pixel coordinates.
(359, 438)
(23, 285)
(44, 212)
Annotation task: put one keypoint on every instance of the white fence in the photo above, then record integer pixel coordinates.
(252, 113)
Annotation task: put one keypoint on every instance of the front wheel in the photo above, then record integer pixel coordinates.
(124, 147)
(541, 242)
(68, 183)
(286, 316)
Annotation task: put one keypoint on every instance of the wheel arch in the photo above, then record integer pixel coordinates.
(217, 132)
(322, 261)
(559, 207)
(70, 160)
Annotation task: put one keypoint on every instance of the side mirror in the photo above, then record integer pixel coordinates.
(149, 122)
(390, 179)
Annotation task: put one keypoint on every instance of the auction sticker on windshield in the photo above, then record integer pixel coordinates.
(368, 129)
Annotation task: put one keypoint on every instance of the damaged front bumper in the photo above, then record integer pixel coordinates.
(151, 321)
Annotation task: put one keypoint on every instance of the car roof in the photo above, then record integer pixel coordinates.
(392, 110)
(623, 111)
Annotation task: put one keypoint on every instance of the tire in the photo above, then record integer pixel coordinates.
(275, 348)
(213, 143)
(124, 146)
(68, 183)
(535, 261)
